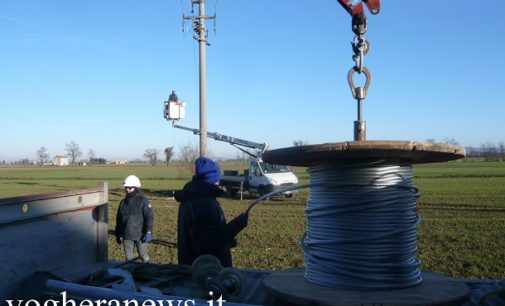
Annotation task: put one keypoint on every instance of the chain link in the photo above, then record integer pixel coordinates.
(360, 47)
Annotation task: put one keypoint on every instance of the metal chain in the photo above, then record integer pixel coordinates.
(360, 47)
(359, 43)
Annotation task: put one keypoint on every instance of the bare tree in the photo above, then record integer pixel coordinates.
(450, 140)
(91, 155)
(299, 143)
(169, 152)
(501, 150)
(188, 154)
(42, 155)
(152, 156)
(73, 150)
(242, 156)
(24, 161)
(489, 151)
(472, 152)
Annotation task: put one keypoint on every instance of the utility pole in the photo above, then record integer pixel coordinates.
(200, 29)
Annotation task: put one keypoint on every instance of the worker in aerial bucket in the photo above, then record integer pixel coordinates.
(173, 97)
(134, 220)
(201, 226)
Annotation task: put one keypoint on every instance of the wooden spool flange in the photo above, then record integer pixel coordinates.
(416, 152)
(291, 287)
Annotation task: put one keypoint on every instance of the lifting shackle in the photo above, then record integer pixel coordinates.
(360, 47)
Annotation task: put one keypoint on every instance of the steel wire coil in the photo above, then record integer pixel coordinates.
(362, 225)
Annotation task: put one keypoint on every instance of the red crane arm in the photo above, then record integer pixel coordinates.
(355, 7)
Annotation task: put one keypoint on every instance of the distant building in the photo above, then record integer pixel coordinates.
(60, 161)
(118, 162)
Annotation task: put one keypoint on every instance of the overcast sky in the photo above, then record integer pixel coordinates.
(97, 73)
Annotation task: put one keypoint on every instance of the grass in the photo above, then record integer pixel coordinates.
(462, 206)
(463, 218)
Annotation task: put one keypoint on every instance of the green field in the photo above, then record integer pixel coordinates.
(462, 206)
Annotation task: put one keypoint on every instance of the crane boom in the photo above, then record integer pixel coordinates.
(175, 110)
(261, 147)
(355, 7)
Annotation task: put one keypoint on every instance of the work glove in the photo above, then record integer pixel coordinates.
(118, 240)
(146, 237)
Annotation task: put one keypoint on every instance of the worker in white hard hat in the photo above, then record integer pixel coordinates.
(134, 220)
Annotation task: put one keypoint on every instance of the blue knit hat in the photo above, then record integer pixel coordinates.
(207, 170)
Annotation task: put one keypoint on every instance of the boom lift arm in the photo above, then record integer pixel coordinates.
(236, 142)
(175, 110)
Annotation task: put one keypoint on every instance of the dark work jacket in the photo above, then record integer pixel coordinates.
(173, 98)
(201, 226)
(134, 217)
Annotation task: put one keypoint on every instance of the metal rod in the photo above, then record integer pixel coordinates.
(360, 112)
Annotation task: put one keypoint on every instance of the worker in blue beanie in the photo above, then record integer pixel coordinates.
(207, 170)
(201, 225)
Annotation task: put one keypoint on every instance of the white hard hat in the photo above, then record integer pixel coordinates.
(131, 181)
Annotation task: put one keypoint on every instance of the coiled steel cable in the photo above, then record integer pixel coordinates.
(362, 225)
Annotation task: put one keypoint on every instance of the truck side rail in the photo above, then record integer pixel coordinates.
(56, 232)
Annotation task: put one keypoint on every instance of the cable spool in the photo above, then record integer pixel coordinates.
(362, 225)
(362, 222)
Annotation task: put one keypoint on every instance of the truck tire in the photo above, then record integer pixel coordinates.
(231, 191)
(262, 190)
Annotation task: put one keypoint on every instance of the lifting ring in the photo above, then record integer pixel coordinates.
(357, 92)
